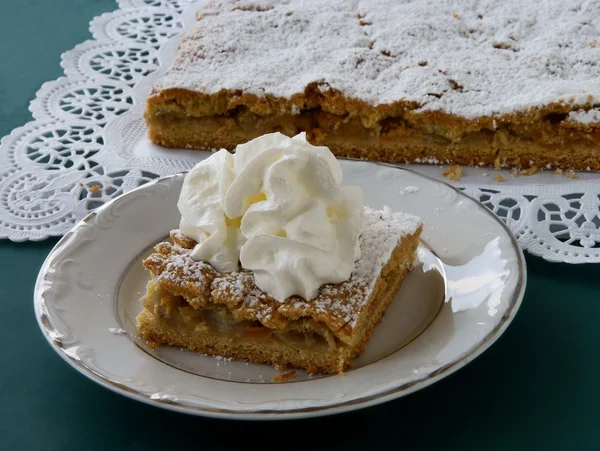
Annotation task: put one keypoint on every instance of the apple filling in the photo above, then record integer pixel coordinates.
(218, 319)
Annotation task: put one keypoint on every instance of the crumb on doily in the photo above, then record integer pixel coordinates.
(453, 173)
(94, 188)
(499, 178)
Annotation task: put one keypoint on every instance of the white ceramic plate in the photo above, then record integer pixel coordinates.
(461, 296)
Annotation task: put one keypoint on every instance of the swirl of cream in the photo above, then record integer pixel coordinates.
(279, 207)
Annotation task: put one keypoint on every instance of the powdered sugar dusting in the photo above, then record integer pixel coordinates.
(472, 58)
(585, 117)
(181, 267)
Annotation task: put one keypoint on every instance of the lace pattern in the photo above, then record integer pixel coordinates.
(87, 144)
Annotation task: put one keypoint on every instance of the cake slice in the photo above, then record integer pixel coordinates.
(493, 82)
(190, 305)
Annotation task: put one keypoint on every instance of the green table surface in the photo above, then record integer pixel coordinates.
(536, 388)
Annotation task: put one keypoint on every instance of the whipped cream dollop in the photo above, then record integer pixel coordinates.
(278, 207)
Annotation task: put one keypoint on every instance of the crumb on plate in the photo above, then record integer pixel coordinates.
(284, 377)
(532, 170)
(453, 173)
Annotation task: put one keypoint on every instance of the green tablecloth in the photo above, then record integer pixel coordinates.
(536, 388)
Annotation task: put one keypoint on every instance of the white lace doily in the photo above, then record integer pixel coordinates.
(87, 144)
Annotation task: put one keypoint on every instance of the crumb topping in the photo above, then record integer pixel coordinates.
(174, 268)
(476, 58)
